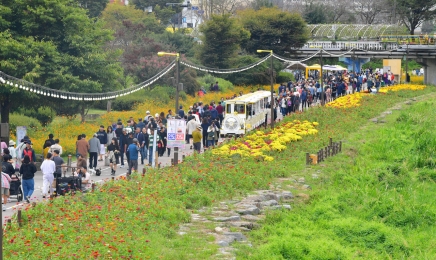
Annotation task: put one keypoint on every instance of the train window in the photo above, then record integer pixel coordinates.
(240, 108)
(229, 108)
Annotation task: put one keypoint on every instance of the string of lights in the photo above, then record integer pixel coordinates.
(49, 92)
(225, 71)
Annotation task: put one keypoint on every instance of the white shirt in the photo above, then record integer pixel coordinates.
(48, 167)
(191, 126)
(87, 178)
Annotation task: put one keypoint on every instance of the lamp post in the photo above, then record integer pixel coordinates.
(160, 54)
(272, 85)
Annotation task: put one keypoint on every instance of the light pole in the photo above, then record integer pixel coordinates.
(160, 54)
(272, 85)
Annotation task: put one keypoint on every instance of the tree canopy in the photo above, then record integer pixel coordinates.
(414, 12)
(61, 46)
(273, 29)
(94, 7)
(222, 37)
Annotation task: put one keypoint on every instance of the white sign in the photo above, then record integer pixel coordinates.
(176, 133)
(21, 133)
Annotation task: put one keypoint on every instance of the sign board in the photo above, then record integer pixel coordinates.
(176, 133)
(21, 133)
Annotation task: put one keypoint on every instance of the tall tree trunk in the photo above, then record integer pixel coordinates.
(5, 108)
(82, 112)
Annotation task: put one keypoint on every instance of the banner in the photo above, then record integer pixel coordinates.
(21, 133)
(176, 133)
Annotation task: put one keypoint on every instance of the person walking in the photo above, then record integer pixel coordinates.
(94, 148)
(6, 185)
(48, 168)
(56, 146)
(29, 151)
(82, 147)
(141, 140)
(102, 137)
(123, 146)
(110, 134)
(27, 171)
(144, 146)
(205, 126)
(49, 142)
(133, 149)
(197, 137)
(190, 127)
(151, 145)
(211, 133)
(113, 153)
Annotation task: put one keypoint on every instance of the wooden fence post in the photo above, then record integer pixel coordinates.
(19, 217)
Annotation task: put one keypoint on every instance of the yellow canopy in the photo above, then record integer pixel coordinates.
(312, 67)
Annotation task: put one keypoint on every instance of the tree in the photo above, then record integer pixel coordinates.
(94, 7)
(162, 11)
(222, 37)
(79, 62)
(368, 10)
(258, 4)
(273, 29)
(25, 58)
(413, 12)
(316, 13)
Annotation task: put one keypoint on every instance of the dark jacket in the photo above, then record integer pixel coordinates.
(27, 171)
(140, 137)
(102, 136)
(123, 143)
(8, 168)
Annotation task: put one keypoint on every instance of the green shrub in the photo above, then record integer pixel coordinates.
(44, 115)
(224, 85)
(127, 102)
(284, 77)
(20, 120)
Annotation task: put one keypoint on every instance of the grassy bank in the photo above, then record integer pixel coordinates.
(139, 219)
(374, 201)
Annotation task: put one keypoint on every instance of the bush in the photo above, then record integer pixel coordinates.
(20, 120)
(127, 102)
(285, 77)
(224, 85)
(256, 75)
(44, 115)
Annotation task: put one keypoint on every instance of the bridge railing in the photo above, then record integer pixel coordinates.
(379, 46)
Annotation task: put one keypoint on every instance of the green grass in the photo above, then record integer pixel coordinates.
(373, 201)
(140, 218)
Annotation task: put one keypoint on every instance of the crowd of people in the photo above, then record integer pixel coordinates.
(127, 143)
(303, 93)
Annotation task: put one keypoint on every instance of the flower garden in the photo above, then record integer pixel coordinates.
(256, 144)
(139, 219)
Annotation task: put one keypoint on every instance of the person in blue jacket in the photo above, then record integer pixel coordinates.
(102, 137)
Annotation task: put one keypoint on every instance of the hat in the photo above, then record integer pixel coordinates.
(148, 112)
(11, 143)
(199, 127)
(135, 140)
(156, 115)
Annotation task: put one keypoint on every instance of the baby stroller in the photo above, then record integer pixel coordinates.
(15, 189)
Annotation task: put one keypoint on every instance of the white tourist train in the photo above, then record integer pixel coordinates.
(245, 113)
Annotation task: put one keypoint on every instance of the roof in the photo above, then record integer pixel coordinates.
(296, 65)
(251, 97)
